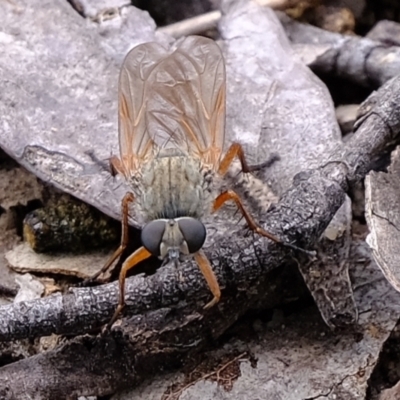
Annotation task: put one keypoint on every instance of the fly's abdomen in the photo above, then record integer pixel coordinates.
(174, 186)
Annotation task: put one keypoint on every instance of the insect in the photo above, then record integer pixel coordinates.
(171, 137)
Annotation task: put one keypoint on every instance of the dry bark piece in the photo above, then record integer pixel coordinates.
(327, 277)
(382, 193)
(386, 32)
(23, 259)
(361, 60)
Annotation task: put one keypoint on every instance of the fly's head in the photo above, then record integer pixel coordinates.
(172, 239)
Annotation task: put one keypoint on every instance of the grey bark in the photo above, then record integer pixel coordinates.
(382, 211)
(362, 60)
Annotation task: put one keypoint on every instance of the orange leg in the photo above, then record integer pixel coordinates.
(236, 150)
(128, 198)
(209, 276)
(133, 260)
(231, 195)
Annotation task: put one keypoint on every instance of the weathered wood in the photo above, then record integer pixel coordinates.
(361, 60)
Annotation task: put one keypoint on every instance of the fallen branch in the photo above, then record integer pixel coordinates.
(364, 61)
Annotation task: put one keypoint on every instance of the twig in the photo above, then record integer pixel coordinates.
(204, 22)
(192, 26)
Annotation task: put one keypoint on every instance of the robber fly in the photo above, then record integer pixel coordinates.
(171, 137)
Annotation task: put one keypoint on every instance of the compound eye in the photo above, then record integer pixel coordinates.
(194, 233)
(151, 236)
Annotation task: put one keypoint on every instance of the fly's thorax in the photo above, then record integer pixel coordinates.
(175, 185)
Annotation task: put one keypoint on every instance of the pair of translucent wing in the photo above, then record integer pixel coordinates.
(172, 100)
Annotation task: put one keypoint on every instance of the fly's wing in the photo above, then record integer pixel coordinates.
(134, 140)
(186, 100)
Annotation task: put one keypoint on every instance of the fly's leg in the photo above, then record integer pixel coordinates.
(236, 151)
(133, 260)
(273, 158)
(209, 276)
(231, 195)
(128, 198)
